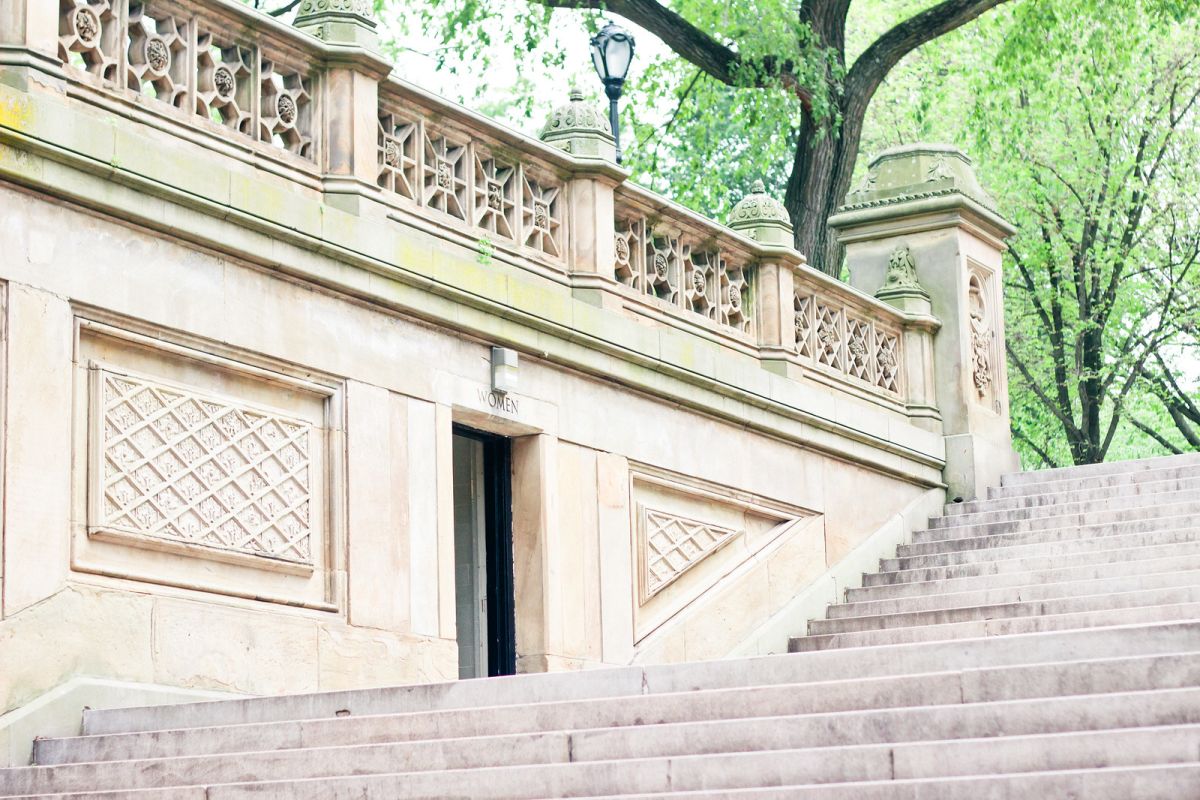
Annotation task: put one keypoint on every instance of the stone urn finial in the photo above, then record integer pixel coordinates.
(761, 217)
(580, 128)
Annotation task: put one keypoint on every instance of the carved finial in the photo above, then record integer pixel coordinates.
(350, 22)
(901, 278)
(579, 127)
(760, 216)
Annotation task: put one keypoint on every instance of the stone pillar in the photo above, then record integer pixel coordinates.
(29, 33)
(353, 69)
(921, 233)
(764, 219)
(583, 130)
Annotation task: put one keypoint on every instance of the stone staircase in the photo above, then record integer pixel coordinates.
(1043, 643)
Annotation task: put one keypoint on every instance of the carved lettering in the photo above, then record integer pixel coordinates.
(499, 402)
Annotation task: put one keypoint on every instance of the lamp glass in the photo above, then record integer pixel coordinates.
(612, 52)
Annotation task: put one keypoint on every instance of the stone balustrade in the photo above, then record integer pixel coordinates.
(293, 97)
(198, 64)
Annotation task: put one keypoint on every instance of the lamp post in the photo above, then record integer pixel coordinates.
(612, 51)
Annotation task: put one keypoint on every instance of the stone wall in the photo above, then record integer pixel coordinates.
(236, 342)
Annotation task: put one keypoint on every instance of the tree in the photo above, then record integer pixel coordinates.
(1091, 139)
(798, 55)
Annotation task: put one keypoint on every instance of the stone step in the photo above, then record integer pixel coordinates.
(1110, 503)
(1166, 472)
(365, 772)
(999, 626)
(1027, 563)
(1186, 522)
(936, 610)
(1116, 571)
(1077, 520)
(1132, 591)
(1157, 782)
(1159, 483)
(1108, 468)
(669, 678)
(858, 695)
(1057, 548)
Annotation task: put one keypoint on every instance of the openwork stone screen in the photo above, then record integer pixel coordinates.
(504, 197)
(188, 467)
(192, 62)
(665, 263)
(832, 337)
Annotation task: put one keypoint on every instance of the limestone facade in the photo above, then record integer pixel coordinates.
(250, 282)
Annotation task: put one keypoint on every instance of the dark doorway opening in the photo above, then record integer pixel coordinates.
(483, 560)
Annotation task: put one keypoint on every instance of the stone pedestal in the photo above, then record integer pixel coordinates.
(921, 233)
(761, 217)
(583, 130)
(350, 157)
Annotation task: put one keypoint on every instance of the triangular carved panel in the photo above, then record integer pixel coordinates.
(671, 545)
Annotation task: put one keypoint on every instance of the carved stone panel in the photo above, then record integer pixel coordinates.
(671, 545)
(982, 337)
(688, 535)
(181, 465)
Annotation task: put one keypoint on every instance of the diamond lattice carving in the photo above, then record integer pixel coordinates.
(673, 545)
(184, 466)
(803, 306)
(887, 363)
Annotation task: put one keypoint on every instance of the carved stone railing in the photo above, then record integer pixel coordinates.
(466, 172)
(841, 335)
(214, 65)
(683, 263)
(316, 102)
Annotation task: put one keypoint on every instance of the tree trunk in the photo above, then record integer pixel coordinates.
(821, 172)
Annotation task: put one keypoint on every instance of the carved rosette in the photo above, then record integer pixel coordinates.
(157, 55)
(398, 155)
(286, 103)
(495, 195)
(89, 36)
(887, 363)
(225, 87)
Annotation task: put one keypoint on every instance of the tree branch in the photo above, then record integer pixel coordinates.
(1035, 447)
(1153, 434)
(690, 43)
(279, 12)
(885, 52)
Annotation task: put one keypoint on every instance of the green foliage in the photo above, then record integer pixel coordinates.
(1082, 118)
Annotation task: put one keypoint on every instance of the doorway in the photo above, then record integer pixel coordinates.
(485, 610)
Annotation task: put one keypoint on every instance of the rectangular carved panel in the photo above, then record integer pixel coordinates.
(180, 465)
(673, 544)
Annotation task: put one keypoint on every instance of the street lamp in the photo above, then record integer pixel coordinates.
(612, 50)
